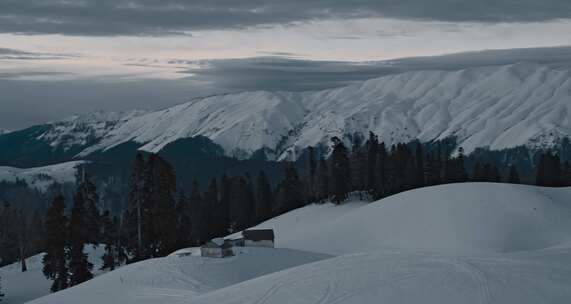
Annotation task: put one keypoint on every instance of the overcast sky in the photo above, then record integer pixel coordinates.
(61, 57)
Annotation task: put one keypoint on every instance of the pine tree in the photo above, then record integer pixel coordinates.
(323, 181)
(566, 175)
(372, 155)
(161, 181)
(195, 201)
(55, 266)
(79, 266)
(109, 235)
(312, 175)
(514, 175)
(136, 209)
(222, 210)
(340, 171)
(263, 197)
(289, 195)
(183, 222)
(358, 163)
(211, 204)
(419, 158)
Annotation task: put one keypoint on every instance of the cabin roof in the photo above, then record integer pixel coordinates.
(259, 235)
(211, 244)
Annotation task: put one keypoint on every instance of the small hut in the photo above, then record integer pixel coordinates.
(259, 238)
(216, 248)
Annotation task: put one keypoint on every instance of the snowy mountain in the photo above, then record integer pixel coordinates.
(41, 178)
(457, 243)
(481, 100)
(495, 107)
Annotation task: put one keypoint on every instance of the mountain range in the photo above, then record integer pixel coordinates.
(489, 104)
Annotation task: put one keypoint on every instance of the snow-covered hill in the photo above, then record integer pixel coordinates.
(42, 177)
(175, 279)
(465, 218)
(482, 102)
(457, 243)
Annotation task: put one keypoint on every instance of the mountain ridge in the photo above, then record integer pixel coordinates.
(491, 106)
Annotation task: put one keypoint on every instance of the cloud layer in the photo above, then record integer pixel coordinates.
(150, 17)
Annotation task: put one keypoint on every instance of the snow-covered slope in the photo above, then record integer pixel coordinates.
(458, 243)
(464, 218)
(482, 102)
(42, 177)
(21, 287)
(175, 279)
(405, 278)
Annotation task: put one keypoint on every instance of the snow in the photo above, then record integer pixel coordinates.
(495, 99)
(456, 243)
(41, 178)
(464, 218)
(177, 279)
(377, 277)
(21, 287)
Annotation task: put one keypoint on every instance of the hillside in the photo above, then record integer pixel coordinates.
(42, 177)
(456, 243)
(512, 100)
(175, 279)
(466, 218)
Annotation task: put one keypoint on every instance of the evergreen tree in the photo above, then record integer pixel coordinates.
(420, 178)
(358, 163)
(211, 202)
(109, 236)
(263, 198)
(312, 175)
(289, 195)
(196, 219)
(183, 222)
(161, 181)
(372, 155)
(222, 210)
(137, 209)
(55, 266)
(323, 181)
(566, 175)
(340, 171)
(514, 175)
(79, 266)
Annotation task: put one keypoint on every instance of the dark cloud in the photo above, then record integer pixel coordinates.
(151, 17)
(290, 74)
(7, 54)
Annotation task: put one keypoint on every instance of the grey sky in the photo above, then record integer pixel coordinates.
(151, 17)
(62, 57)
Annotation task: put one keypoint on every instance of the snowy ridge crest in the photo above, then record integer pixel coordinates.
(488, 106)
